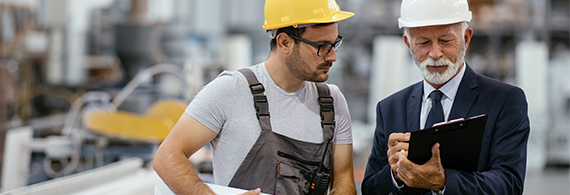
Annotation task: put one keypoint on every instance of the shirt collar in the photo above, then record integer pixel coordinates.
(449, 89)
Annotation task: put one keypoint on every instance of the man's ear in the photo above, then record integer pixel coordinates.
(407, 41)
(467, 37)
(284, 43)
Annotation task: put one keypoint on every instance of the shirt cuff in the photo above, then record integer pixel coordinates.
(433, 192)
(395, 182)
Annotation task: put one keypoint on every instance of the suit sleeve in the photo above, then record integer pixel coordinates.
(507, 154)
(377, 178)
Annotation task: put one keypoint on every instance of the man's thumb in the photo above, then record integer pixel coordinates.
(435, 150)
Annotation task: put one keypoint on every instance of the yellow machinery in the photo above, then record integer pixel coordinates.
(153, 126)
(95, 132)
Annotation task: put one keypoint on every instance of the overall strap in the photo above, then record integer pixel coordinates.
(259, 99)
(326, 103)
(327, 110)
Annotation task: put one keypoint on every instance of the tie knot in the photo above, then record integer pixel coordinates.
(435, 95)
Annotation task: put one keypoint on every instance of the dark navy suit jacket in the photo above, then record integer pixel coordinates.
(502, 162)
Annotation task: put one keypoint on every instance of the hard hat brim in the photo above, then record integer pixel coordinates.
(336, 17)
(402, 23)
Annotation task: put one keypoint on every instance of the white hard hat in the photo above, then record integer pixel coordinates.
(417, 13)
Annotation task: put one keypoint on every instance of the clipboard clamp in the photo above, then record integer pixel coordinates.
(451, 121)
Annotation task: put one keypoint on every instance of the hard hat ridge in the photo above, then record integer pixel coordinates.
(417, 13)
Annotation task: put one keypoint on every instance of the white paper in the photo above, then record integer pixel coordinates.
(161, 189)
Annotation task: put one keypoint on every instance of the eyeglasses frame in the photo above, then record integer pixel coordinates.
(336, 44)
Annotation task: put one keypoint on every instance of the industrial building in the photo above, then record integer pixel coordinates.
(90, 88)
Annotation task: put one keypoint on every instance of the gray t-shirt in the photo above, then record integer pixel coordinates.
(225, 106)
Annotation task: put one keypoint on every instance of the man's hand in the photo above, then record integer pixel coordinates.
(397, 142)
(253, 192)
(430, 175)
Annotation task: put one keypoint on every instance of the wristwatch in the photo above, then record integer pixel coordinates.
(440, 192)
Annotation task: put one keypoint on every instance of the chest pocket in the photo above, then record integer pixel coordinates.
(281, 165)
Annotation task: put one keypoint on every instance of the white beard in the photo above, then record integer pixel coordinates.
(436, 77)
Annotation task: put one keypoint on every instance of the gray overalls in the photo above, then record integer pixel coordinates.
(281, 165)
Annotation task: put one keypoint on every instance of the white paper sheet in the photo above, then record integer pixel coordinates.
(161, 189)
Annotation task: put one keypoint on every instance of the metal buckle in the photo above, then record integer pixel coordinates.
(327, 117)
(257, 88)
(327, 111)
(261, 105)
(326, 101)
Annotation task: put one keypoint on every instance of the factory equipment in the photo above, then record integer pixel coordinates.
(95, 133)
(204, 37)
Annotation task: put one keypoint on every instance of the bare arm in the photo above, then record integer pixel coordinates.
(171, 159)
(343, 170)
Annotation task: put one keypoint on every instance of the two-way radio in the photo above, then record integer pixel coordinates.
(320, 179)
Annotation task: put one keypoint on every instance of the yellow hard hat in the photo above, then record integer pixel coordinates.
(284, 13)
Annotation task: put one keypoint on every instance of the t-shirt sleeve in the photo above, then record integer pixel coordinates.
(208, 105)
(343, 128)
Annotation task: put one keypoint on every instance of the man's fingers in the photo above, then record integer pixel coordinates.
(402, 167)
(397, 148)
(396, 138)
(402, 156)
(398, 142)
(392, 158)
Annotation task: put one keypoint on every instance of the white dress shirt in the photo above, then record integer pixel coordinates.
(449, 91)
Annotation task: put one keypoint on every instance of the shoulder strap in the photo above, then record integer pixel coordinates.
(259, 99)
(327, 110)
(327, 120)
(326, 103)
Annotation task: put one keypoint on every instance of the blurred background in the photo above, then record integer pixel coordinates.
(89, 89)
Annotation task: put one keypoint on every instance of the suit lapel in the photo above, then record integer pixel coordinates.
(465, 95)
(413, 105)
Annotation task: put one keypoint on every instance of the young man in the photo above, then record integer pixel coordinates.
(281, 136)
(437, 35)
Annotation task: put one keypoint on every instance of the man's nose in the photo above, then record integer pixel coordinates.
(331, 56)
(436, 51)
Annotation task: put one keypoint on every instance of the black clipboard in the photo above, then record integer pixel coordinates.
(460, 143)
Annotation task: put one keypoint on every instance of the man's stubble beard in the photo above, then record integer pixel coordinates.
(300, 69)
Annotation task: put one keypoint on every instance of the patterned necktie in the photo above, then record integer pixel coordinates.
(436, 113)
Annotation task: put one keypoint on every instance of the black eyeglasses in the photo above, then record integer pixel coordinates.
(323, 49)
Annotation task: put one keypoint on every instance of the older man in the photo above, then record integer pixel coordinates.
(437, 35)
